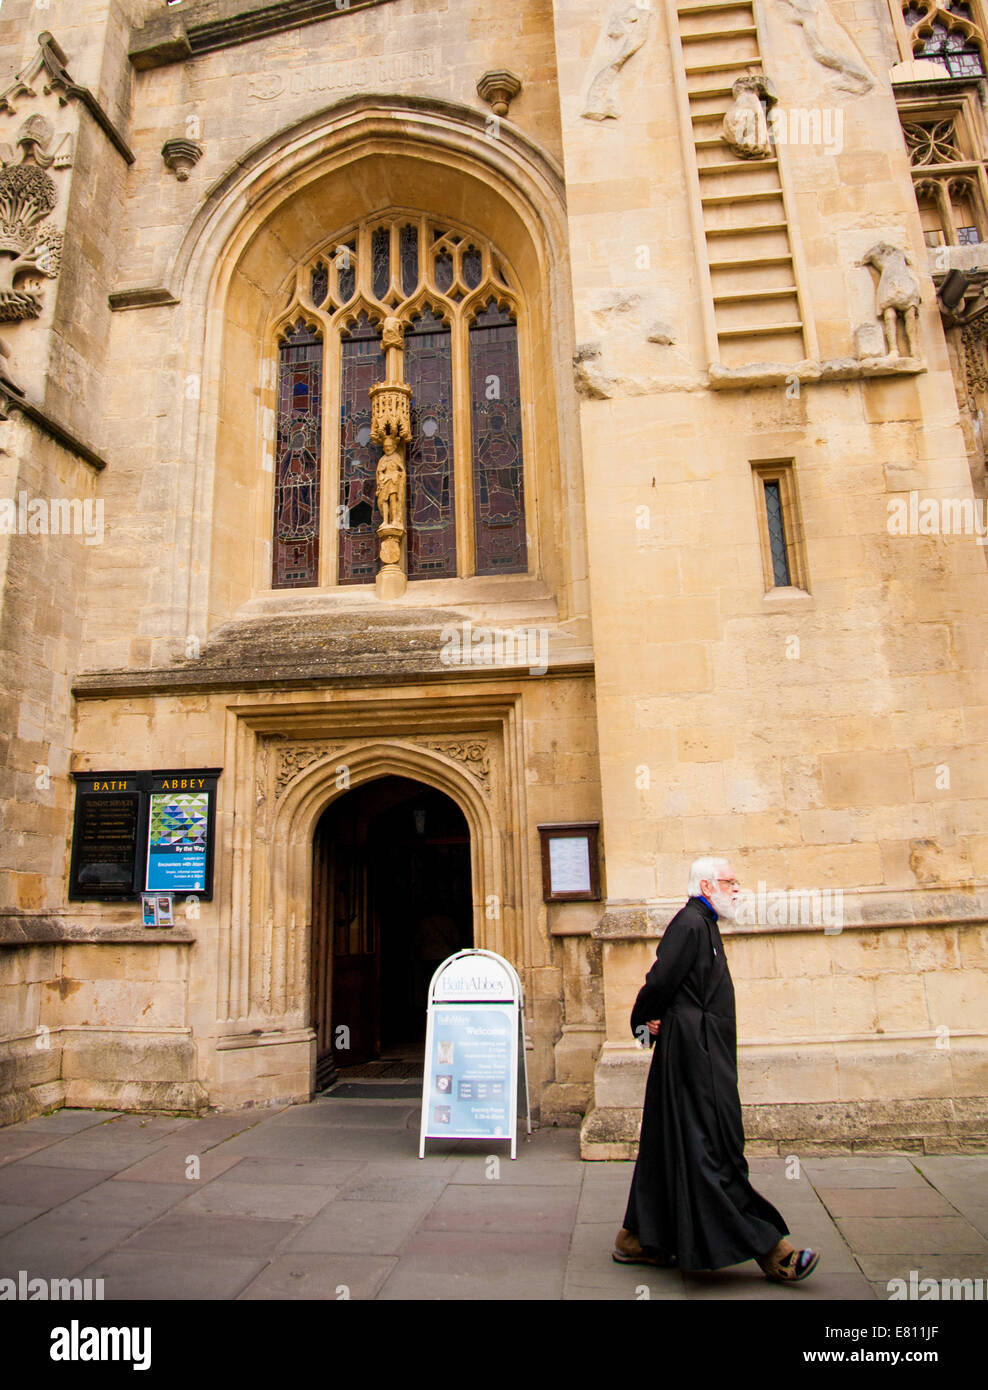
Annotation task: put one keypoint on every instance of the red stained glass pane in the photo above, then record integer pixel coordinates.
(295, 561)
(362, 368)
(498, 476)
(431, 546)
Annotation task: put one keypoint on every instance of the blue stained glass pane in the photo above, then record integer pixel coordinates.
(381, 260)
(444, 271)
(346, 271)
(295, 549)
(362, 367)
(431, 548)
(498, 474)
(409, 259)
(319, 284)
(473, 267)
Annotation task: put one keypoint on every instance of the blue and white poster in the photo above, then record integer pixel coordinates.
(178, 831)
(474, 1043)
(472, 1070)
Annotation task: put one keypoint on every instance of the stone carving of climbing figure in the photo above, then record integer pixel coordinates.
(391, 485)
(624, 35)
(830, 44)
(746, 122)
(898, 293)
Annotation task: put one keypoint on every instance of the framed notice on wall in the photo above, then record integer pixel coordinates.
(108, 813)
(570, 861)
(137, 832)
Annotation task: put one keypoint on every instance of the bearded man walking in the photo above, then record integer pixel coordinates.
(691, 1205)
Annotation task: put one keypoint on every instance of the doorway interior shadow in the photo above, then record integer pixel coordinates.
(391, 897)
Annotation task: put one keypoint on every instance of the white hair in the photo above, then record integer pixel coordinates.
(708, 867)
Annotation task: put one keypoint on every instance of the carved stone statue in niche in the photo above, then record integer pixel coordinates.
(898, 293)
(831, 45)
(746, 119)
(625, 33)
(391, 486)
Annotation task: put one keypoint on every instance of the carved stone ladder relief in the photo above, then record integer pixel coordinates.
(756, 312)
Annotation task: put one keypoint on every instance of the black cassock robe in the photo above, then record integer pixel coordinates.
(690, 1194)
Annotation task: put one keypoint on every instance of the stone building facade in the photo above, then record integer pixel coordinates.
(660, 312)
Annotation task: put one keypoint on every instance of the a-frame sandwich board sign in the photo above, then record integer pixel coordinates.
(474, 1049)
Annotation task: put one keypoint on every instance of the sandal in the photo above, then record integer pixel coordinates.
(784, 1265)
(628, 1251)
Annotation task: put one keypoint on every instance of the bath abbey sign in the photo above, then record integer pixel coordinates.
(139, 831)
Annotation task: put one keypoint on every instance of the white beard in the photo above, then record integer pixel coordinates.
(722, 905)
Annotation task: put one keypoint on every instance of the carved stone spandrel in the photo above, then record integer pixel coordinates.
(472, 753)
(294, 760)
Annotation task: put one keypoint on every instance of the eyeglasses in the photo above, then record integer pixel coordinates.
(731, 882)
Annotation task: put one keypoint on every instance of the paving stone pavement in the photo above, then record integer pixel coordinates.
(330, 1200)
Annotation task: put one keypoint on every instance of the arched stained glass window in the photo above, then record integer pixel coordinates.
(455, 297)
(498, 480)
(298, 459)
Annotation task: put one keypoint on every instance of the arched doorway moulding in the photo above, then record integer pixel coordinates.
(278, 940)
(510, 168)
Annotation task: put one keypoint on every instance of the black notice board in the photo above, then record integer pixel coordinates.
(110, 832)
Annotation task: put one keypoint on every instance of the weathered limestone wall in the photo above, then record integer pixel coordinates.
(144, 1025)
(43, 577)
(861, 1038)
(826, 737)
(97, 1022)
(30, 1056)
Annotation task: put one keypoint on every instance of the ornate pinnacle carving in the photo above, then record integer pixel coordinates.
(180, 156)
(391, 427)
(499, 89)
(27, 196)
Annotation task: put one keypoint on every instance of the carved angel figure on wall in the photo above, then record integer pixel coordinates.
(625, 33)
(831, 45)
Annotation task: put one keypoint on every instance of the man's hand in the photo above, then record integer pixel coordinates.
(653, 1027)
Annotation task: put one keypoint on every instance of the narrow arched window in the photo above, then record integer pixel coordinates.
(431, 502)
(298, 455)
(361, 365)
(498, 481)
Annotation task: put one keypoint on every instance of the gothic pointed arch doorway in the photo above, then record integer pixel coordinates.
(391, 896)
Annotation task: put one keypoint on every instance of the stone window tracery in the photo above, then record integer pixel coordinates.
(458, 323)
(949, 177)
(947, 32)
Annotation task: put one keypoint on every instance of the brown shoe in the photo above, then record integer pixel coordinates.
(628, 1251)
(785, 1265)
